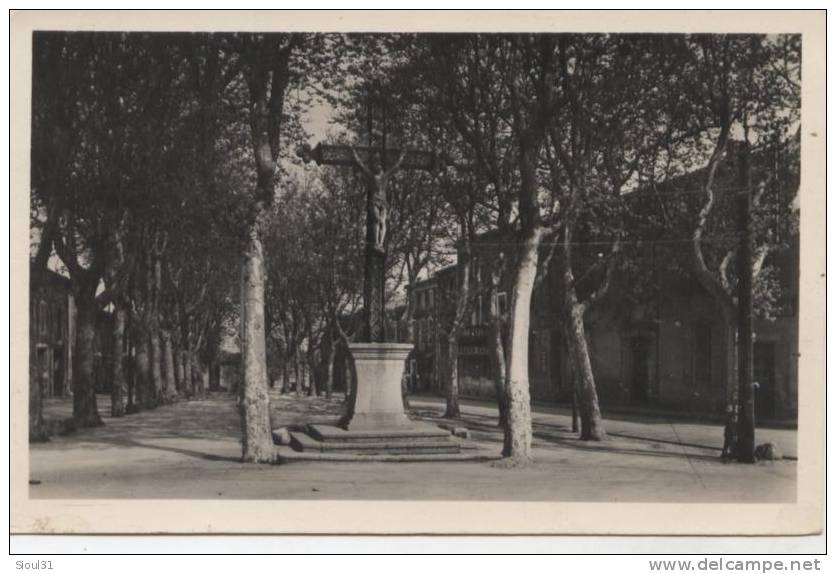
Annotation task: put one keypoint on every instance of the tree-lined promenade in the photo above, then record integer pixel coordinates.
(166, 182)
(191, 450)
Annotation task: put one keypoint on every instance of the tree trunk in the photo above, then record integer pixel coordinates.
(194, 375)
(498, 359)
(156, 357)
(177, 366)
(85, 409)
(313, 387)
(118, 383)
(518, 431)
(592, 425)
(452, 411)
(130, 375)
(297, 365)
(306, 374)
(265, 115)
(37, 427)
(151, 379)
(188, 365)
(731, 420)
(142, 372)
(329, 377)
(576, 427)
(186, 376)
(257, 440)
(285, 376)
(350, 389)
(197, 374)
(203, 369)
(462, 303)
(156, 348)
(497, 352)
(170, 380)
(349, 377)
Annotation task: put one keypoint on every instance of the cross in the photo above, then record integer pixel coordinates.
(329, 154)
(377, 164)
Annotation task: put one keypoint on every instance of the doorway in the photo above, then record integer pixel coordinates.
(58, 372)
(43, 371)
(764, 375)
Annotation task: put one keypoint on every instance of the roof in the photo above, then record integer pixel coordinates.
(435, 275)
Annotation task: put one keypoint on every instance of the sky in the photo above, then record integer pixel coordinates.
(315, 120)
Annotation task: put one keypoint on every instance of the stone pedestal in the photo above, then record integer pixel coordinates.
(378, 403)
(376, 428)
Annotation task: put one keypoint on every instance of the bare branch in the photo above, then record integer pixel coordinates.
(704, 275)
(724, 266)
(759, 259)
(604, 287)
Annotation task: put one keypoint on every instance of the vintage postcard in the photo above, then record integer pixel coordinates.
(418, 272)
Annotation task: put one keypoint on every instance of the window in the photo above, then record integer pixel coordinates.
(418, 334)
(58, 316)
(476, 314)
(502, 303)
(430, 293)
(42, 317)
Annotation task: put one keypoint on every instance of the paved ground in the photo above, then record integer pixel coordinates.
(674, 429)
(191, 449)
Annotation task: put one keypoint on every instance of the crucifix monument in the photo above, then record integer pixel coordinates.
(377, 401)
(377, 165)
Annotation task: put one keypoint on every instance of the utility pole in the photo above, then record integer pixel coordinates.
(745, 366)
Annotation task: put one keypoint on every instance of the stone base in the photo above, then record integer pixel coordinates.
(413, 439)
(373, 421)
(286, 454)
(415, 430)
(375, 428)
(378, 402)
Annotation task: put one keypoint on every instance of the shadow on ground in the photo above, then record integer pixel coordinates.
(191, 449)
(485, 428)
(215, 418)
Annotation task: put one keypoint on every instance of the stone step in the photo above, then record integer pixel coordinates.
(285, 454)
(302, 442)
(419, 431)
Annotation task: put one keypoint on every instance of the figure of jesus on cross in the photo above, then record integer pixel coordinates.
(377, 177)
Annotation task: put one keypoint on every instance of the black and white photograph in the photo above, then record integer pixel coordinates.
(273, 264)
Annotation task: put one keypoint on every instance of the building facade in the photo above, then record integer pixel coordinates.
(669, 350)
(51, 333)
(658, 338)
(52, 336)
